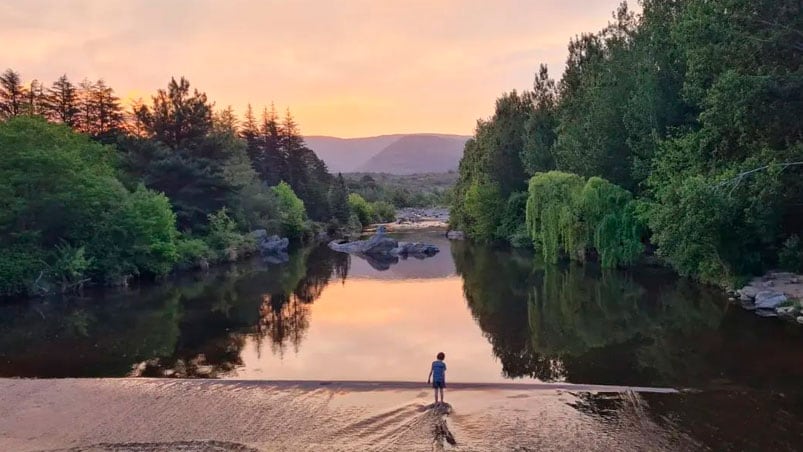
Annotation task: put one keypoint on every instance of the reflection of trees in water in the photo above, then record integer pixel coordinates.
(583, 324)
(195, 325)
(282, 318)
(284, 314)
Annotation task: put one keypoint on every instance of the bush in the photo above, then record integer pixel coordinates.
(62, 202)
(482, 211)
(192, 252)
(292, 216)
(384, 212)
(362, 208)
(225, 241)
(791, 255)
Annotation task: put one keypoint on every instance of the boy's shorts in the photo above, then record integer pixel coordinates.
(438, 384)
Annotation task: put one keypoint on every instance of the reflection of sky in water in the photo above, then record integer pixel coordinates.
(366, 329)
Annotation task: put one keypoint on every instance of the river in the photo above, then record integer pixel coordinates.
(693, 370)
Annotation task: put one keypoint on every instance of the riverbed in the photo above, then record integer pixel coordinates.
(539, 357)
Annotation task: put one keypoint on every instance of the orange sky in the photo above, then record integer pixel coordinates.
(344, 67)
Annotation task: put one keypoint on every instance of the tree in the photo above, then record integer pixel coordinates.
(292, 214)
(539, 128)
(61, 102)
(178, 118)
(339, 200)
(12, 94)
(66, 218)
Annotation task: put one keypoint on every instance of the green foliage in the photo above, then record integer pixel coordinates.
(292, 216)
(512, 227)
(409, 190)
(362, 208)
(339, 200)
(63, 207)
(692, 106)
(193, 252)
(482, 206)
(565, 216)
(791, 255)
(384, 212)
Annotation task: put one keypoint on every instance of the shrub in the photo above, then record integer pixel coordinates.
(384, 212)
(292, 216)
(362, 208)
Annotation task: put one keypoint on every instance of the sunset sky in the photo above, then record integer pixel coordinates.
(345, 68)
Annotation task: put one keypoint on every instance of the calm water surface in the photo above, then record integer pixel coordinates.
(499, 315)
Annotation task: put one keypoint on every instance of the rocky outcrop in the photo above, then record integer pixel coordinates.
(776, 294)
(455, 235)
(272, 247)
(384, 250)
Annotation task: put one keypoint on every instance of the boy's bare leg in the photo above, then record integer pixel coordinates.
(441, 389)
(436, 395)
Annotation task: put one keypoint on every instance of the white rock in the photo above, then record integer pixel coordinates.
(769, 299)
(785, 310)
(747, 292)
(800, 320)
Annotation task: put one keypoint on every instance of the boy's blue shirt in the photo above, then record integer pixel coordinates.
(438, 370)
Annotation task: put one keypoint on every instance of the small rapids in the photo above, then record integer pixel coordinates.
(157, 415)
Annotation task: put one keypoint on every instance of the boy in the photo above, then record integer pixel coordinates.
(438, 376)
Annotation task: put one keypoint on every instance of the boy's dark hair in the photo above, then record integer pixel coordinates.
(441, 356)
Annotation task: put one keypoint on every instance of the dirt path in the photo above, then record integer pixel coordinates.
(184, 415)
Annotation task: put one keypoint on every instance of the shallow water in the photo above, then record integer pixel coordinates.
(500, 316)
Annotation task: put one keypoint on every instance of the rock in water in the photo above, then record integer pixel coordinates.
(380, 246)
(270, 244)
(769, 299)
(455, 235)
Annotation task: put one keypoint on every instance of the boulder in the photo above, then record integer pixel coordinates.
(769, 299)
(747, 293)
(269, 244)
(416, 249)
(766, 313)
(382, 248)
(455, 235)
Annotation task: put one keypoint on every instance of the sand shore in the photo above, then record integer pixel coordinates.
(213, 415)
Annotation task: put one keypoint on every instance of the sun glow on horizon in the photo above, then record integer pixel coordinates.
(352, 68)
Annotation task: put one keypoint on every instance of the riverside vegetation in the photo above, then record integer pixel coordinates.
(674, 131)
(93, 194)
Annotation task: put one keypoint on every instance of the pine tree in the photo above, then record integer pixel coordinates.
(273, 164)
(12, 94)
(250, 133)
(61, 102)
(109, 113)
(339, 200)
(178, 118)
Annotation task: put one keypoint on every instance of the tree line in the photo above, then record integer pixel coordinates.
(92, 193)
(674, 130)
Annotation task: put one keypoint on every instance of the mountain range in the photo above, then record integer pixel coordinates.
(394, 154)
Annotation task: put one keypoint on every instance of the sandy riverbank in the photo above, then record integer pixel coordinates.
(207, 415)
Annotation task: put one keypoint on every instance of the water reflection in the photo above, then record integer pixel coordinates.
(325, 315)
(586, 325)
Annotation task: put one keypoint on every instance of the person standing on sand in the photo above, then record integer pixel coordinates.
(438, 376)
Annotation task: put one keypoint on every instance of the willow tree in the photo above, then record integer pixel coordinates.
(566, 215)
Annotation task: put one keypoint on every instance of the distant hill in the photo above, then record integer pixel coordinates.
(417, 154)
(395, 154)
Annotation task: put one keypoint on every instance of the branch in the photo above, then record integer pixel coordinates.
(738, 178)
